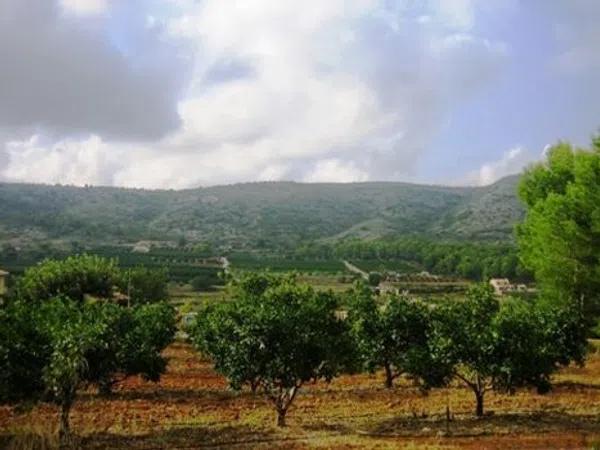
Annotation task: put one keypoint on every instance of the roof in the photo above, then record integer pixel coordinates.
(2, 272)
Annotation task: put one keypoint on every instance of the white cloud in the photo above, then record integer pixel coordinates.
(69, 161)
(335, 171)
(84, 7)
(328, 81)
(343, 90)
(63, 76)
(459, 14)
(511, 162)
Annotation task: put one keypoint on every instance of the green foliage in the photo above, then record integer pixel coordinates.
(394, 336)
(178, 264)
(154, 327)
(74, 278)
(276, 335)
(374, 279)
(560, 237)
(50, 350)
(290, 263)
(73, 333)
(504, 347)
(271, 216)
(24, 351)
(52, 346)
(206, 281)
(144, 285)
(255, 284)
(475, 261)
(133, 340)
(532, 343)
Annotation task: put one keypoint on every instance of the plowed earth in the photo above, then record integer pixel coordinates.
(192, 408)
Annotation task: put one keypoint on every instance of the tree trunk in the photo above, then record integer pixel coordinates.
(64, 433)
(281, 417)
(479, 407)
(282, 401)
(389, 377)
(254, 386)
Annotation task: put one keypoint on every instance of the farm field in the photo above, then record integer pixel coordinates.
(192, 408)
(379, 265)
(181, 265)
(181, 295)
(252, 262)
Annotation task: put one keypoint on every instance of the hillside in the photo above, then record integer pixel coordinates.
(257, 215)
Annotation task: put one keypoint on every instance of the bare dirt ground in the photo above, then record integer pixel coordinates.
(192, 408)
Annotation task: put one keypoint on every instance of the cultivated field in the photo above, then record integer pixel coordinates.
(192, 408)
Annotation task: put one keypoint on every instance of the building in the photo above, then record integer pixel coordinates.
(501, 286)
(3, 284)
(141, 247)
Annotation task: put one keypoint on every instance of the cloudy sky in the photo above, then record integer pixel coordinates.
(184, 93)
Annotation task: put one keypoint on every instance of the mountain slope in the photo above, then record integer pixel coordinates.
(253, 215)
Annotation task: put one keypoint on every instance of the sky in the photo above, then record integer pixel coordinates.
(185, 93)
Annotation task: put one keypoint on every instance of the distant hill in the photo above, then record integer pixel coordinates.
(258, 215)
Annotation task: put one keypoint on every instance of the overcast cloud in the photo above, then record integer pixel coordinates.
(182, 93)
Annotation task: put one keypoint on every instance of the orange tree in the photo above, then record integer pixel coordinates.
(275, 336)
(393, 334)
(49, 347)
(502, 347)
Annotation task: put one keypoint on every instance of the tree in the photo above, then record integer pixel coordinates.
(74, 278)
(374, 279)
(533, 341)
(50, 347)
(134, 340)
(393, 337)
(206, 281)
(71, 335)
(140, 351)
(24, 352)
(217, 328)
(559, 239)
(49, 351)
(505, 347)
(144, 285)
(275, 335)
(67, 335)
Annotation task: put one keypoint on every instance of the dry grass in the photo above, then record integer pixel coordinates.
(192, 408)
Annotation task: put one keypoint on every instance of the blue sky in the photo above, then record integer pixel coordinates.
(532, 103)
(184, 93)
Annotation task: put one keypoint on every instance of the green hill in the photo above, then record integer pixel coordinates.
(257, 215)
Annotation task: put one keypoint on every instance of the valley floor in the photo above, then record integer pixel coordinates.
(192, 408)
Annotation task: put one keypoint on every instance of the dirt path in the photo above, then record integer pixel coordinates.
(352, 268)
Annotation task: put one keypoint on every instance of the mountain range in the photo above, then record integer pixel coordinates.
(258, 215)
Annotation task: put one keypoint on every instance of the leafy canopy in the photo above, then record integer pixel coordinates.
(393, 335)
(73, 278)
(275, 335)
(493, 346)
(559, 239)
